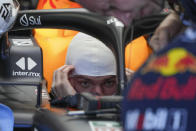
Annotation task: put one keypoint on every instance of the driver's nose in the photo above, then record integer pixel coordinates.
(98, 90)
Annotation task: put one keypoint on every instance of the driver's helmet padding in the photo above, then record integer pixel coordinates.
(8, 13)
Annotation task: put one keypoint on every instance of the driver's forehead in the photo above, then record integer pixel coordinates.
(95, 78)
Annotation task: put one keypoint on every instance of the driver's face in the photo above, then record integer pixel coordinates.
(97, 85)
(124, 10)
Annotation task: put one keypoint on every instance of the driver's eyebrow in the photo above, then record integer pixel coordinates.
(112, 77)
(82, 78)
(79, 77)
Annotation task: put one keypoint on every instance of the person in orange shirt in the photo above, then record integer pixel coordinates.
(57, 4)
(54, 44)
(136, 53)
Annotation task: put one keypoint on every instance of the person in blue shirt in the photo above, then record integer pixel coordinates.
(161, 95)
(6, 118)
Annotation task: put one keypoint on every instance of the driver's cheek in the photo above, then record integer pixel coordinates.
(112, 90)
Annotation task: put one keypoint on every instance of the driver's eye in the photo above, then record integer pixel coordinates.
(85, 84)
(109, 83)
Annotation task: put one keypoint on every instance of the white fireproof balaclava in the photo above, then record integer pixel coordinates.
(90, 56)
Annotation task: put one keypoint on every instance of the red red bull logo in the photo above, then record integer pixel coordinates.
(164, 89)
(177, 60)
(167, 86)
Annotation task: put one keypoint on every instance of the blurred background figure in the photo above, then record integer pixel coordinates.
(6, 118)
(54, 42)
(8, 15)
(170, 27)
(124, 10)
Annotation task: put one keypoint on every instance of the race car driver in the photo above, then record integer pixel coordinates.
(90, 67)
